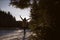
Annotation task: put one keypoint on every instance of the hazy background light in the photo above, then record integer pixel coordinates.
(16, 12)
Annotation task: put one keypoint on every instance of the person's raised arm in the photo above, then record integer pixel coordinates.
(21, 17)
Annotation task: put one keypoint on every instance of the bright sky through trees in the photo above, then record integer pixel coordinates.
(16, 12)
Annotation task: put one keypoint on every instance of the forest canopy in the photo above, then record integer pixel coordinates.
(7, 20)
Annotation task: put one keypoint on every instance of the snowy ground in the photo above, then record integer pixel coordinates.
(13, 34)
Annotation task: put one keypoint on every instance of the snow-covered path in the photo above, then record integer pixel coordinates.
(14, 35)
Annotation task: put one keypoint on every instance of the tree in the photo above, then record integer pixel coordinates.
(45, 17)
(7, 21)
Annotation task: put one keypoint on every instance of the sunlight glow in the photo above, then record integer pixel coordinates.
(16, 12)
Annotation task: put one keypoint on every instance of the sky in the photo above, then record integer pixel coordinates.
(16, 12)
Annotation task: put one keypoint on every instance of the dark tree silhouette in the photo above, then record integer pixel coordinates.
(7, 21)
(45, 17)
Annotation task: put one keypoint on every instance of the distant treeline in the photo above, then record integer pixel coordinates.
(7, 21)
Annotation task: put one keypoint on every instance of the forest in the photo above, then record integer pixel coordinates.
(7, 21)
(45, 14)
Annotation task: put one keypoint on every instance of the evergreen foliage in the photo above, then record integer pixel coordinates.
(7, 21)
(45, 17)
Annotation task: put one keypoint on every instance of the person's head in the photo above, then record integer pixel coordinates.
(24, 18)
